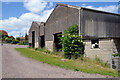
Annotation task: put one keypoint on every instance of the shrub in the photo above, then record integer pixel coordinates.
(118, 54)
(36, 48)
(23, 43)
(72, 43)
(18, 38)
(26, 42)
(15, 41)
(8, 40)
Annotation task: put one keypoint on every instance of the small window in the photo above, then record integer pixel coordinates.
(95, 43)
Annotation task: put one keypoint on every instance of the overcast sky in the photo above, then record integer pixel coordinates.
(18, 16)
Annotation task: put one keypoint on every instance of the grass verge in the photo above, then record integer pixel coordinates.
(87, 66)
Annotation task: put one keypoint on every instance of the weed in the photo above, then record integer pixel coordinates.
(88, 66)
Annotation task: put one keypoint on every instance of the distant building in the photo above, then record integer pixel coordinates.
(22, 38)
(4, 33)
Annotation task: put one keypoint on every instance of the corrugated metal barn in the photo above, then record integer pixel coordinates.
(101, 30)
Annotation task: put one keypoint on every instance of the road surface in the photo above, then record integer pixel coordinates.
(16, 66)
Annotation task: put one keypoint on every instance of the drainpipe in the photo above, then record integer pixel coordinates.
(80, 22)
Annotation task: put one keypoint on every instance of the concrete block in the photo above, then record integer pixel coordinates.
(49, 45)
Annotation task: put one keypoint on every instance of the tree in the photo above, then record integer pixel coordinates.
(26, 37)
(72, 43)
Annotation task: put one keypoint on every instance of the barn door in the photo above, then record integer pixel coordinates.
(42, 43)
(57, 41)
(33, 39)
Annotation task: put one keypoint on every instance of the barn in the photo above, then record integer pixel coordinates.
(36, 35)
(101, 30)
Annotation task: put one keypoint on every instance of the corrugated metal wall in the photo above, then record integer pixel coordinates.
(98, 24)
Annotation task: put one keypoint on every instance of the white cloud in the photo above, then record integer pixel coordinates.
(15, 33)
(110, 8)
(23, 23)
(35, 6)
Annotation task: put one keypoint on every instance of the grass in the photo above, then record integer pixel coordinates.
(85, 65)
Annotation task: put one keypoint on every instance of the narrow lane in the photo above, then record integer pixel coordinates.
(16, 66)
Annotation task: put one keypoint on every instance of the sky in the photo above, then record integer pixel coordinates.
(17, 17)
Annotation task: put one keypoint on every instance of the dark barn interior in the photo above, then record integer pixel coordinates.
(33, 39)
(57, 41)
(42, 41)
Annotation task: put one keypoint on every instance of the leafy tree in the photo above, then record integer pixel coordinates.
(72, 43)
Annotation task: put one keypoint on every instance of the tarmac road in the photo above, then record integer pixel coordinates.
(16, 66)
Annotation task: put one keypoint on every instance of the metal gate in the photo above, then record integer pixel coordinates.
(115, 62)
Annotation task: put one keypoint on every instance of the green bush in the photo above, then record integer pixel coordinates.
(118, 54)
(36, 48)
(18, 38)
(15, 41)
(23, 43)
(20, 43)
(8, 40)
(72, 43)
(26, 42)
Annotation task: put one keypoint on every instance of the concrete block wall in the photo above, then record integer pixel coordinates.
(36, 44)
(49, 45)
(103, 52)
(106, 47)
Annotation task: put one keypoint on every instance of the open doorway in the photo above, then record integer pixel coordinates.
(57, 41)
(42, 42)
(33, 39)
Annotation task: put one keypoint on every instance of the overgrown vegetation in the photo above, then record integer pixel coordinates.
(100, 62)
(72, 43)
(117, 54)
(84, 65)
